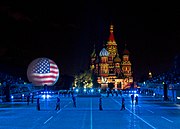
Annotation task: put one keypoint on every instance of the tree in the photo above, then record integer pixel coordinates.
(94, 81)
(83, 80)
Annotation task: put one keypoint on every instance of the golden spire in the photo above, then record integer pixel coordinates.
(111, 36)
(111, 28)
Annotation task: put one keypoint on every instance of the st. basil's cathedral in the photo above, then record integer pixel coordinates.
(108, 68)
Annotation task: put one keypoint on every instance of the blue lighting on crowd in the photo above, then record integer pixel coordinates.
(46, 96)
(77, 90)
(85, 90)
(92, 90)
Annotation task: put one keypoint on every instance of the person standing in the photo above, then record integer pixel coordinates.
(123, 104)
(28, 99)
(74, 100)
(32, 98)
(100, 104)
(136, 98)
(38, 104)
(58, 104)
(132, 98)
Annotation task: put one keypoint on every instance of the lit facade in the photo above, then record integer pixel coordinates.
(108, 68)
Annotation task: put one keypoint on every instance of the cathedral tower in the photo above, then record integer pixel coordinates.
(108, 68)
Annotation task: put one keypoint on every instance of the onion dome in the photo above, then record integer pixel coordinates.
(104, 52)
(117, 59)
(126, 52)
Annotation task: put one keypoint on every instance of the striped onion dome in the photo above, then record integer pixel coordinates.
(117, 59)
(103, 52)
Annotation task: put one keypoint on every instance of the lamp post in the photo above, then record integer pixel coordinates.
(165, 91)
(7, 91)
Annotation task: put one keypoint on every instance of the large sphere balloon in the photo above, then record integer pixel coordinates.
(43, 71)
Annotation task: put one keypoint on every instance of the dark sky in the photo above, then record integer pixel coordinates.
(65, 31)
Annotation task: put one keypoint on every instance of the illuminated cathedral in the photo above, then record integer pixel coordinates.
(108, 68)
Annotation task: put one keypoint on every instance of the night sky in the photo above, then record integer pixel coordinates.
(66, 31)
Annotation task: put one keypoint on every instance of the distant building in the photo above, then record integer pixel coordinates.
(108, 68)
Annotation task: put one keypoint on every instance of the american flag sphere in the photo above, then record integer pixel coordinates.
(43, 71)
